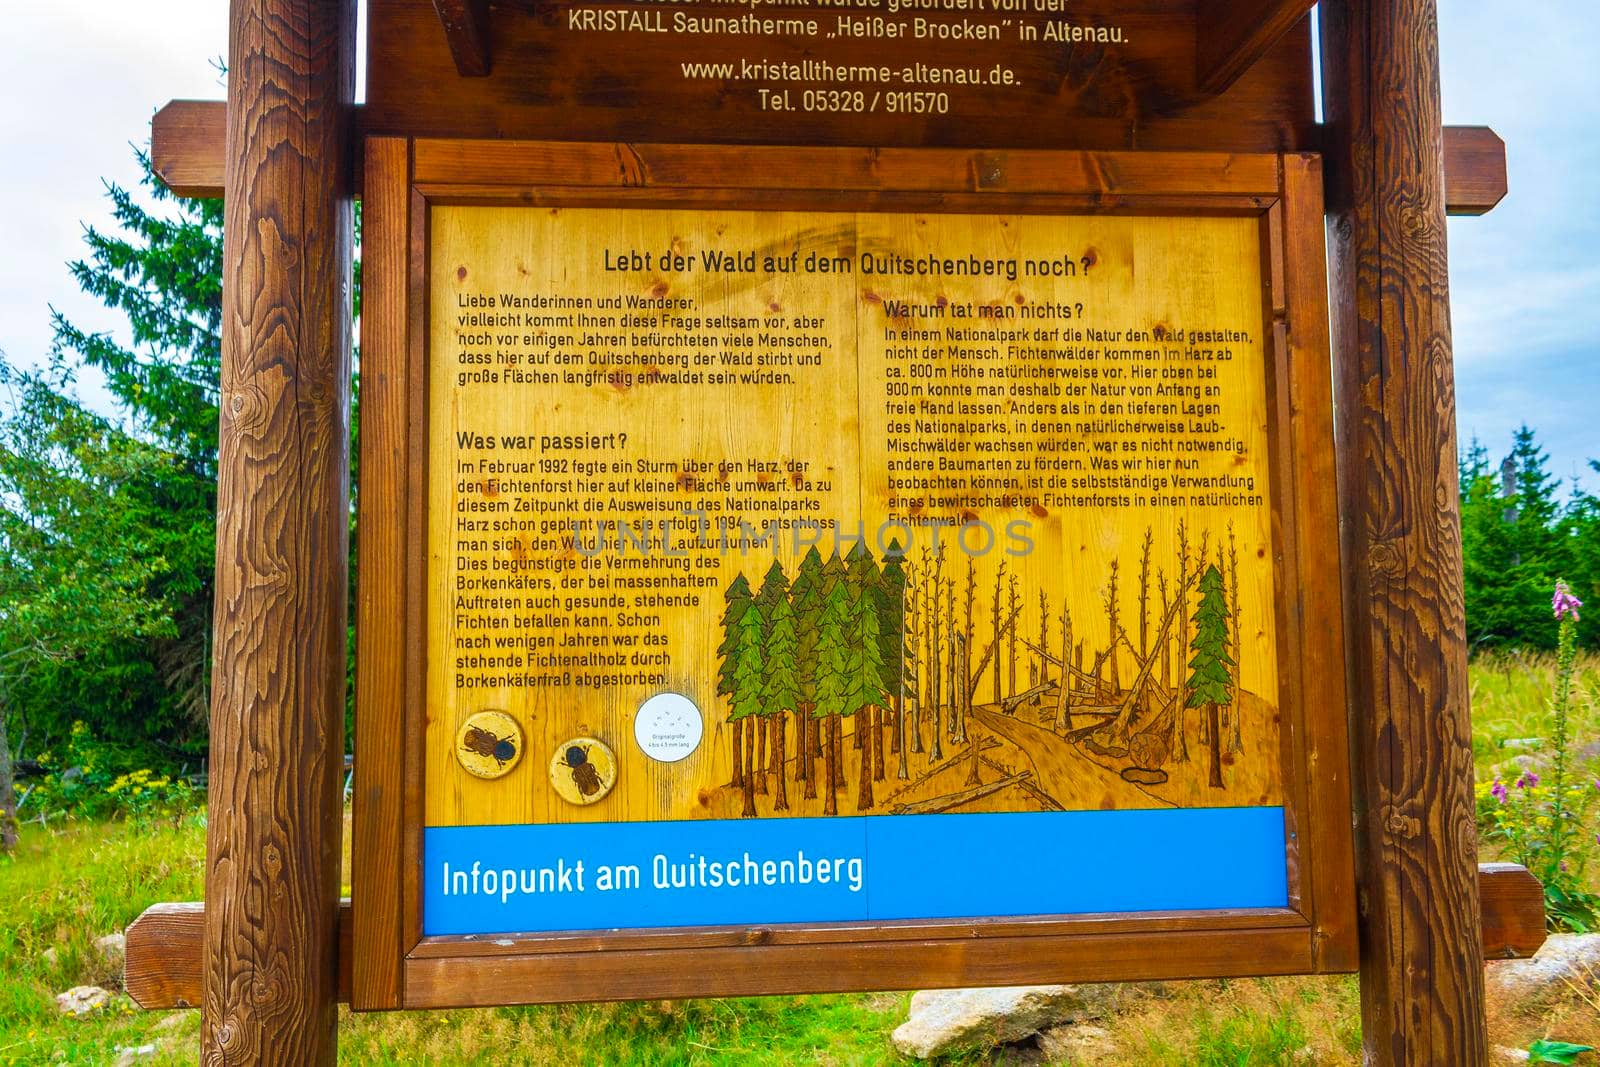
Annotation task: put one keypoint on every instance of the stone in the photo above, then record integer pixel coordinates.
(1562, 958)
(112, 948)
(50, 956)
(1510, 1055)
(172, 1022)
(947, 1020)
(1077, 1043)
(82, 999)
(133, 1054)
(1523, 743)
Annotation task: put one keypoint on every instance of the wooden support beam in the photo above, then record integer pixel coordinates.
(1512, 904)
(165, 956)
(1474, 170)
(164, 944)
(466, 28)
(186, 146)
(1421, 953)
(186, 152)
(271, 945)
(1230, 35)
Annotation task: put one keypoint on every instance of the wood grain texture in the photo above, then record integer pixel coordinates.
(833, 417)
(1230, 35)
(186, 151)
(164, 944)
(556, 83)
(466, 30)
(1192, 175)
(187, 146)
(381, 591)
(166, 956)
(1474, 170)
(763, 970)
(1512, 902)
(1321, 652)
(277, 713)
(1037, 183)
(1422, 966)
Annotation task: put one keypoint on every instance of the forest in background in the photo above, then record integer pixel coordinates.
(107, 520)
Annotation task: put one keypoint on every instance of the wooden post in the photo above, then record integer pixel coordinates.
(278, 685)
(1421, 953)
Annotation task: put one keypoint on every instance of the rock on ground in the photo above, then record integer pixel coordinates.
(82, 999)
(126, 1057)
(1563, 958)
(945, 1020)
(112, 948)
(1075, 1043)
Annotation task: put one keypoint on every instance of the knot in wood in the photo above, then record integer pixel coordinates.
(1417, 221)
(248, 409)
(1399, 825)
(1386, 559)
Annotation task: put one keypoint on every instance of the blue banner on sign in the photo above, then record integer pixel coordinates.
(597, 876)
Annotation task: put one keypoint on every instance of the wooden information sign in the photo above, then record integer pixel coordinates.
(811, 547)
(886, 536)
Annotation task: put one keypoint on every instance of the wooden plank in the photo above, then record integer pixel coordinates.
(1231, 35)
(941, 170)
(165, 955)
(278, 683)
(552, 81)
(1474, 170)
(801, 934)
(1422, 960)
(762, 970)
(186, 146)
(186, 152)
(466, 29)
(1321, 651)
(164, 943)
(1512, 901)
(381, 593)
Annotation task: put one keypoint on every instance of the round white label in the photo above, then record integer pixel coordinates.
(668, 727)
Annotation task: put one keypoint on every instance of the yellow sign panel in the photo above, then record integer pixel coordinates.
(810, 514)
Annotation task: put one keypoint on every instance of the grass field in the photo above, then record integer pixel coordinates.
(72, 882)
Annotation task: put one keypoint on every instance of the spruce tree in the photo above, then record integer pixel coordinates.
(748, 669)
(866, 684)
(834, 684)
(159, 265)
(1515, 543)
(1208, 684)
(780, 686)
(738, 601)
(892, 635)
(805, 598)
(774, 587)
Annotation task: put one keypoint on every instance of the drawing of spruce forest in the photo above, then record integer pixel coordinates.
(933, 682)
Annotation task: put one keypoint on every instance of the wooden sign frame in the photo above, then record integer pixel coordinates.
(395, 966)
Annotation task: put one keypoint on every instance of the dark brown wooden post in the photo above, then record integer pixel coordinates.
(1421, 952)
(277, 709)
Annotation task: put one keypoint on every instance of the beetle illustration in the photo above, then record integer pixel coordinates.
(584, 775)
(484, 743)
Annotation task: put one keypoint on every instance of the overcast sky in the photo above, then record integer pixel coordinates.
(79, 80)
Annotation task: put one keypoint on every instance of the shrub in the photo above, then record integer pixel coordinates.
(1543, 820)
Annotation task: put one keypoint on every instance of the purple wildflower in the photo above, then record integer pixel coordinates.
(1528, 780)
(1498, 790)
(1564, 602)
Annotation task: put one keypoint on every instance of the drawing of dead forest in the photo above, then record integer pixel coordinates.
(932, 681)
